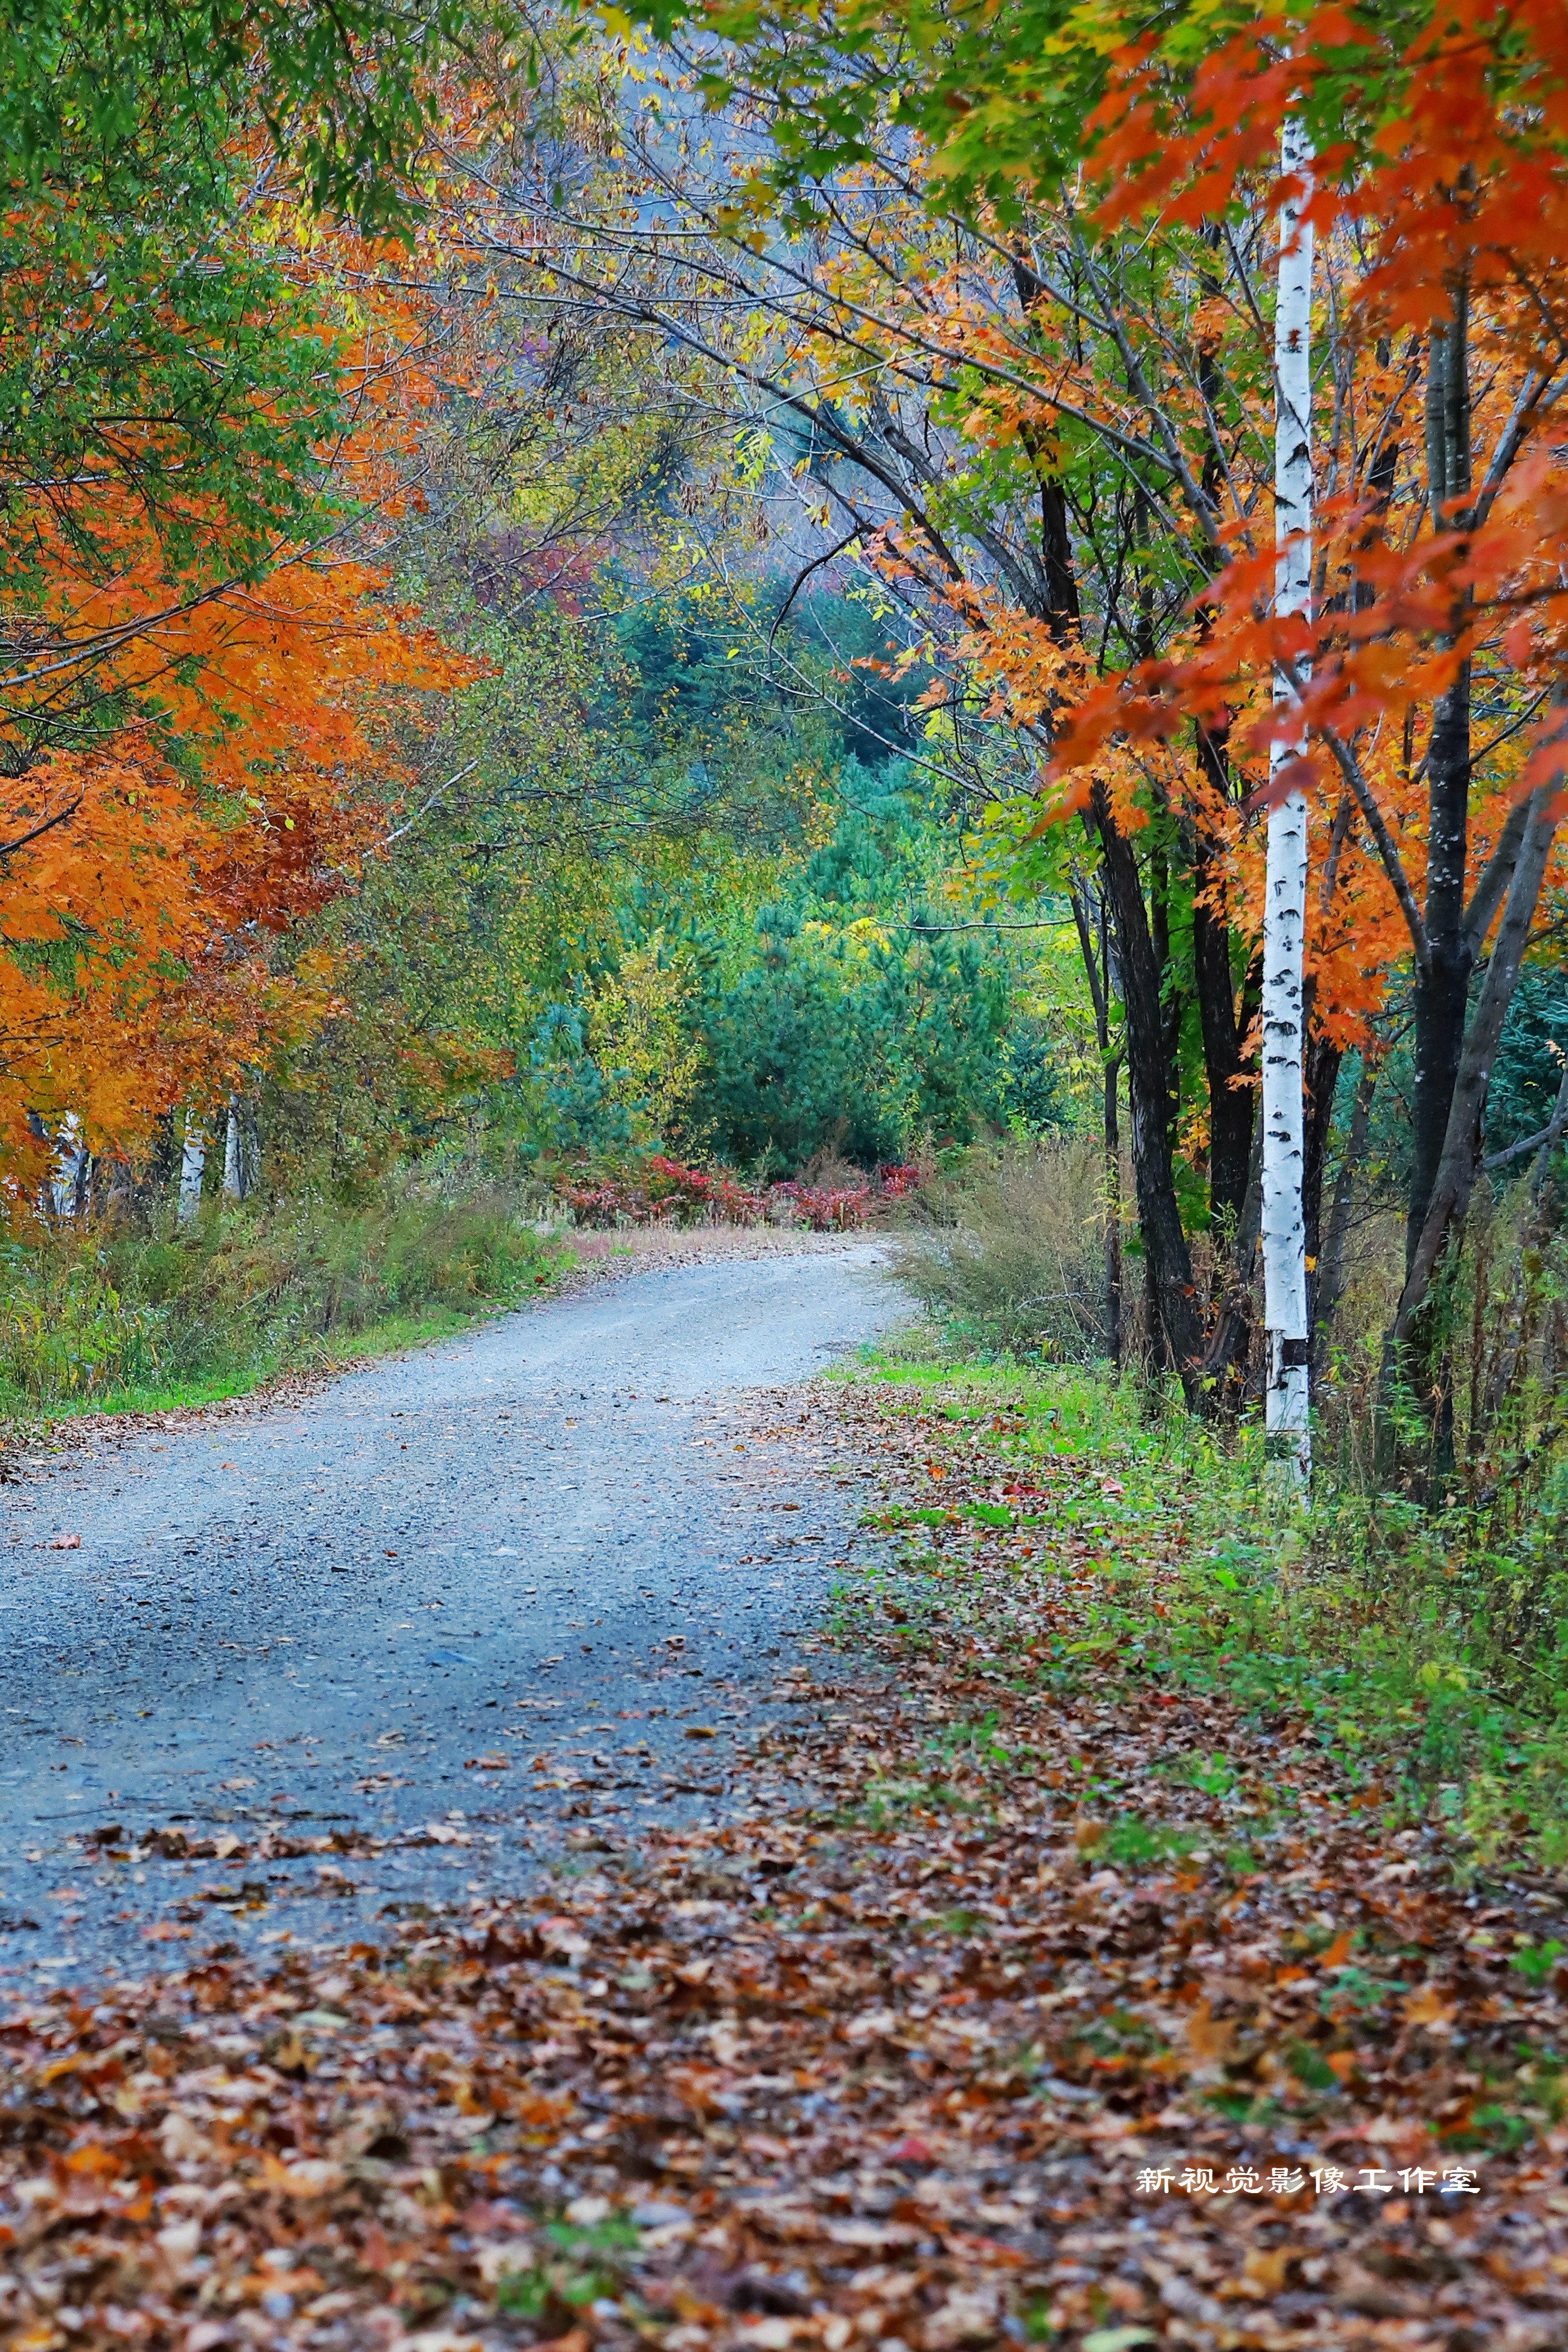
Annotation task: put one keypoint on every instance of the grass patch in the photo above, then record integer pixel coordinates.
(1422, 1658)
(143, 1321)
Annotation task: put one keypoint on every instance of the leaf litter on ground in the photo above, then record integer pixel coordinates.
(1035, 1998)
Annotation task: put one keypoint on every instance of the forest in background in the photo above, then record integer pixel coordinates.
(613, 622)
(433, 816)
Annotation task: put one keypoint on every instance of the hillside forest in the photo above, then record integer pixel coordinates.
(795, 622)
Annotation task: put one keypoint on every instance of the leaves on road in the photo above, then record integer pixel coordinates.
(1033, 2018)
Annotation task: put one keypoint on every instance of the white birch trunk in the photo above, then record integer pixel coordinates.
(70, 1167)
(193, 1164)
(234, 1155)
(1285, 889)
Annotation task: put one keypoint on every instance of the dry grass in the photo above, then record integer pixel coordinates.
(1015, 1255)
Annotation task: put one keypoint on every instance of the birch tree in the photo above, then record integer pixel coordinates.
(192, 1166)
(1285, 886)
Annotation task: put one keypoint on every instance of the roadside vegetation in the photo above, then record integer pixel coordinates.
(143, 1319)
(1424, 1653)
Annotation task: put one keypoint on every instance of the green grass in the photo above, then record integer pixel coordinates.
(130, 1321)
(1433, 1666)
(389, 1336)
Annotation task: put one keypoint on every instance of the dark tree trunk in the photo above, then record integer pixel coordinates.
(1230, 1106)
(1322, 1081)
(1148, 1051)
(1328, 1288)
(1113, 1213)
(1441, 992)
(1104, 981)
(1149, 1102)
(1230, 1341)
(165, 1153)
(1056, 548)
(1170, 994)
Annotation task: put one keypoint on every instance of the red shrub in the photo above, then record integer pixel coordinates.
(660, 1191)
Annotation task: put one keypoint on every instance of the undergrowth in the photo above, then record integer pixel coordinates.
(1430, 1661)
(136, 1320)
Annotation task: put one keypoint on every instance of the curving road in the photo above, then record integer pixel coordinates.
(315, 1670)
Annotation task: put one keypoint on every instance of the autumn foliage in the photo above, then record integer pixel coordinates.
(1469, 186)
(201, 663)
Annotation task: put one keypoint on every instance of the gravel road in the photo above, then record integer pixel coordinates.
(318, 1668)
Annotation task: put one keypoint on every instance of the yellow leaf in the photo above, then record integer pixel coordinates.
(1209, 2038)
(1427, 2007)
(1263, 2272)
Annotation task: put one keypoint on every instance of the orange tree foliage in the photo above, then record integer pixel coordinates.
(1466, 189)
(199, 671)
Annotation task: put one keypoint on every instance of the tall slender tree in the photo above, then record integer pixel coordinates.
(1285, 885)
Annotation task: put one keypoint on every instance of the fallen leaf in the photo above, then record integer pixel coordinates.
(1426, 2007)
(1263, 2272)
(1209, 2038)
(310, 2176)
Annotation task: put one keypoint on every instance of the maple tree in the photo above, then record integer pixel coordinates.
(207, 415)
(1429, 679)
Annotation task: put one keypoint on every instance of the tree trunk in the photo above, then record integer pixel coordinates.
(1442, 991)
(1231, 1104)
(72, 1170)
(1230, 1341)
(1285, 886)
(1456, 1174)
(239, 1150)
(1149, 1106)
(164, 1156)
(1113, 1213)
(234, 1173)
(1329, 1287)
(1173, 1316)
(1095, 945)
(192, 1166)
(1232, 1107)
(1322, 1070)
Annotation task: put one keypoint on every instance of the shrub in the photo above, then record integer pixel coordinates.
(660, 1191)
(830, 1196)
(1015, 1258)
(827, 1208)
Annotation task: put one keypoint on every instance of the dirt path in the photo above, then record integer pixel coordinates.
(297, 1658)
(1051, 1996)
